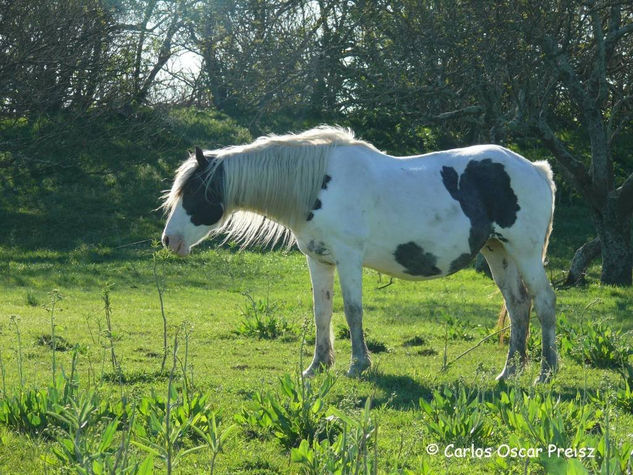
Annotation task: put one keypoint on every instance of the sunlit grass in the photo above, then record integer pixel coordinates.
(420, 325)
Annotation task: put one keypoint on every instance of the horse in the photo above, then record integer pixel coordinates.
(346, 205)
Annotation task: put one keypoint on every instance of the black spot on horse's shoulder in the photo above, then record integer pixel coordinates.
(310, 216)
(317, 204)
(415, 261)
(485, 195)
(326, 180)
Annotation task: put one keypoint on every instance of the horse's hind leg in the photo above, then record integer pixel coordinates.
(506, 275)
(539, 288)
(322, 276)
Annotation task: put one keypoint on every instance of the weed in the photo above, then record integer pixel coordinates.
(543, 420)
(349, 453)
(159, 281)
(260, 320)
(107, 308)
(456, 329)
(58, 343)
(456, 416)
(55, 297)
(342, 332)
(376, 346)
(215, 438)
(294, 413)
(15, 320)
(31, 299)
(597, 345)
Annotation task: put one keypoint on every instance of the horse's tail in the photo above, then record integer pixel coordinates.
(545, 170)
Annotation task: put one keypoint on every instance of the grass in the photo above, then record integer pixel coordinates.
(421, 325)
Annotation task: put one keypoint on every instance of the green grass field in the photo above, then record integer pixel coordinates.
(413, 328)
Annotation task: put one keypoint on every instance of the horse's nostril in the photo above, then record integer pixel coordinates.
(166, 241)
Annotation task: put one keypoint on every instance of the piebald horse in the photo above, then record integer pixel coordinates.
(347, 205)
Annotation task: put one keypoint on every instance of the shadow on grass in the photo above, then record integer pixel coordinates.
(400, 392)
(135, 377)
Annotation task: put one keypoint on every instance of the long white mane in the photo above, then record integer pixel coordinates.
(270, 185)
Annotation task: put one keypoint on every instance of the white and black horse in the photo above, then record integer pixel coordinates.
(349, 206)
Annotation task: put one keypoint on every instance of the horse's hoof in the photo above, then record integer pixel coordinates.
(357, 368)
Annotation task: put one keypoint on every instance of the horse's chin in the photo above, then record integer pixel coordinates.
(183, 251)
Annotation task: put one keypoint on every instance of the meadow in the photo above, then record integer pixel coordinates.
(134, 361)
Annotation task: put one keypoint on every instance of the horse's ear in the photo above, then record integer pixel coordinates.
(200, 158)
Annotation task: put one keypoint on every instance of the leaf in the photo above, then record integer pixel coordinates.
(147, 467)
(147, 448)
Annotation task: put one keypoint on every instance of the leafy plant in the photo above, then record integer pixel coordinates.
(294, 413)
(542, 420)
(260, 320)
(215, 438)
(597, 344)
(349, 453)
(456, 416)
(456, 329)
(39, 411)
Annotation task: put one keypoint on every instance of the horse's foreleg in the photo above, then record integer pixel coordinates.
(322, 276)
(351, 277)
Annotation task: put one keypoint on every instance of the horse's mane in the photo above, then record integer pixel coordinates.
(270, 185)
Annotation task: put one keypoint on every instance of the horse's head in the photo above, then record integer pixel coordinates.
(195, 203)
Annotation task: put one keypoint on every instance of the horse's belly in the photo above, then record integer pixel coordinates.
(413, 259)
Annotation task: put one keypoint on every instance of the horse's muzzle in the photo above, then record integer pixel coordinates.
(176, 244)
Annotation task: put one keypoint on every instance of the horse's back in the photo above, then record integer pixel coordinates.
(426, 216)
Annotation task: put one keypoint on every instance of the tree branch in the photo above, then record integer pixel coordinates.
(574, 168)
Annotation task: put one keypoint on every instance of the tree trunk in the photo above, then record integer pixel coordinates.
(614, 232)
(581, 260)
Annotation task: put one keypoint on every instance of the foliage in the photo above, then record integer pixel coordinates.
(456, 416)
(296, 412)
(260, 320)
(349, 453)
(597, 344)
(542, 420)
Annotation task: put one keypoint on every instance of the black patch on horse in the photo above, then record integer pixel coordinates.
(485, 196)
(326, 180)
(462, 261)
(310, 216)
(415, 261)
(317, 204)
(204, 204)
